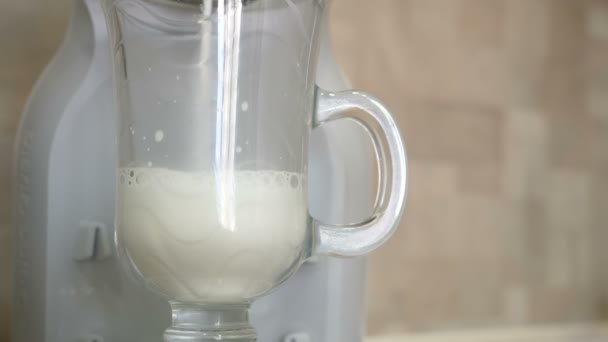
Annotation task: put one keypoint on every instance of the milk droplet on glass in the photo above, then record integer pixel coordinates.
(245, 106)
(144, 138)
(159, 136)
(149, 164)
(239, 149)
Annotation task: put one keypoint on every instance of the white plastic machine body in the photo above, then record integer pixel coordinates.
(69, 285)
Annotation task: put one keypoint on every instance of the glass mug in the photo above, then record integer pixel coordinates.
(216, 103)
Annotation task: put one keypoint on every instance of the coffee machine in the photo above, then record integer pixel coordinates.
(69, 285)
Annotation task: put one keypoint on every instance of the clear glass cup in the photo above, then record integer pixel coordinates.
(216, 103)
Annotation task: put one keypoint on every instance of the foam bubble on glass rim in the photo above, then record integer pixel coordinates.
(144, 175)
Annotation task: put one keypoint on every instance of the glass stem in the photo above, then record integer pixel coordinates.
(207, 323)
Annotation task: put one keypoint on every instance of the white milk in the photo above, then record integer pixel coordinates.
(196, 238)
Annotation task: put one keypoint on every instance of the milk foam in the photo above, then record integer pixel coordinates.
(198, 238)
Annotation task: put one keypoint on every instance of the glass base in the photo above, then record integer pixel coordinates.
(207, 323)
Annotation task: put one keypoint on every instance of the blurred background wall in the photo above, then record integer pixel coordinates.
(504, 107)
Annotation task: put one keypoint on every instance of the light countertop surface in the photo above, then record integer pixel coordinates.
(565, 333)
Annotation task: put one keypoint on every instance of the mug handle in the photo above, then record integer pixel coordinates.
(364, 237)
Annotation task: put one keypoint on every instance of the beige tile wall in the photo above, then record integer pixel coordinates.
(504, 106)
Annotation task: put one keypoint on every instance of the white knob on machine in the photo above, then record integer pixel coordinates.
(297, 337)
